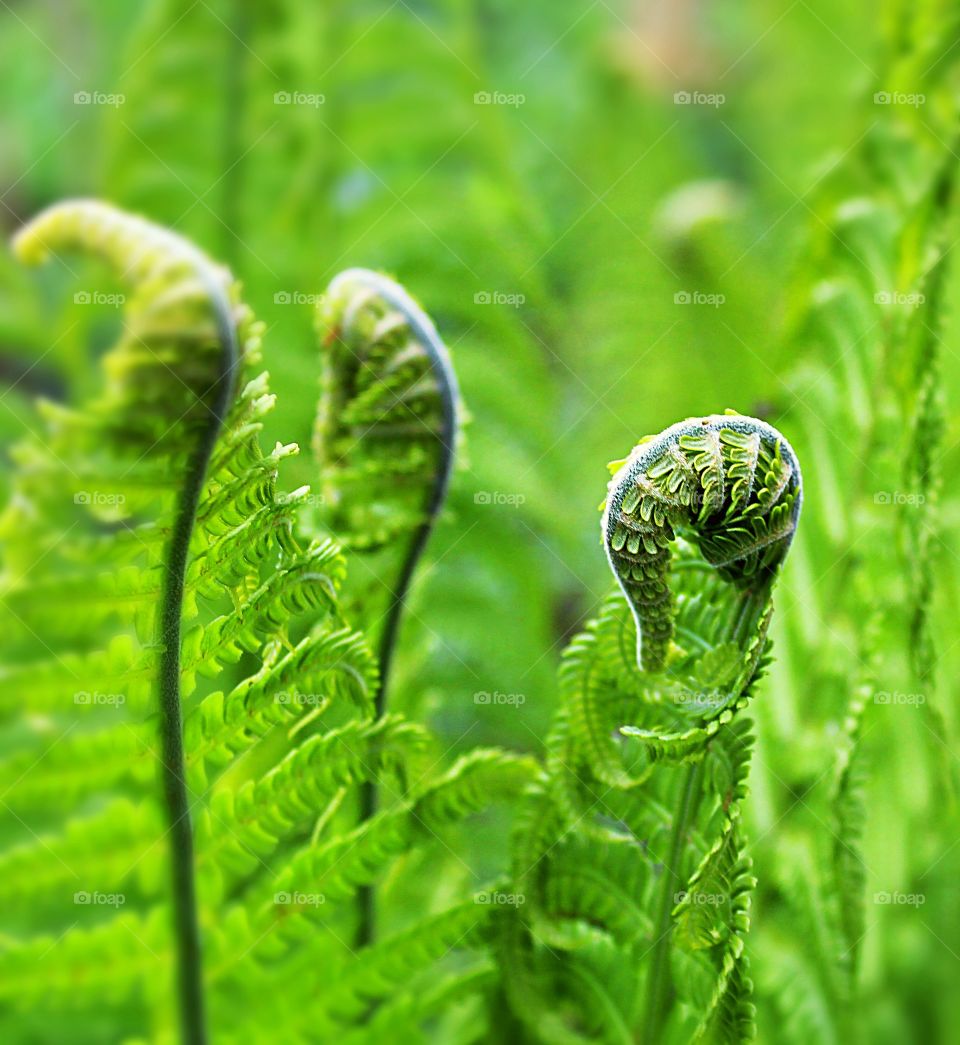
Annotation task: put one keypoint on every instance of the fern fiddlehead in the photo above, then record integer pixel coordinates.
(166, 265)
(386, 427)
(385, 436)
(636, 884)
(732, 483)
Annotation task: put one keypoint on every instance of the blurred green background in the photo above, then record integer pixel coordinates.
(604, 206)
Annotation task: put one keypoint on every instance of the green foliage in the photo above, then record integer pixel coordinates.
(566, 246)
(273, 760)
(861, 705)
(630, 857)
(628, 854)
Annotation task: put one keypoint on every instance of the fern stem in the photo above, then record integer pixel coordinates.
(176, 797)
(369, 793)
(745, 619)
(659, 981)
(746, 616)
(425, 333)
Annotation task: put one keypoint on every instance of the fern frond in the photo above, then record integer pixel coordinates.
(103, 851)
(76, 765)
(387, 420)
(630, 855)
(166, 394)
(109, 962)
(679, 481)
(385, 437)
(328, 665)
(241, 827)
(376, 972)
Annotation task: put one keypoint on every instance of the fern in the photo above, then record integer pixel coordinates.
(630, 855)
(867, 309)
(385, 434)
(852, 786)
(151, 556)
(267, 763)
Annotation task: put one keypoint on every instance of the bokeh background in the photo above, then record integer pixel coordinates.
(614, 212)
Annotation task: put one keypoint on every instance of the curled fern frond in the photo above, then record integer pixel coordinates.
(385, 437)
(387, 423)
(385, 434)
(731, 484)
(629, 856)
(169, 275)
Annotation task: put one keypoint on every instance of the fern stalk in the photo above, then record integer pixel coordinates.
(175, 790)
(659, 981)
(380, 339)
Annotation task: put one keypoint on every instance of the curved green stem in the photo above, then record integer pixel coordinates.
(176, 797)
(369, 793)
(750, 606)
(658, 985)
(425, 332)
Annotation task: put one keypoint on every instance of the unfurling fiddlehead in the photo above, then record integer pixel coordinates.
(732, 482)
(385, 436)
(175, 285)
(388, 415)
(629, 857)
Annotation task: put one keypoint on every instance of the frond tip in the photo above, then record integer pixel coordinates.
(730, 484)
(388, 418)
